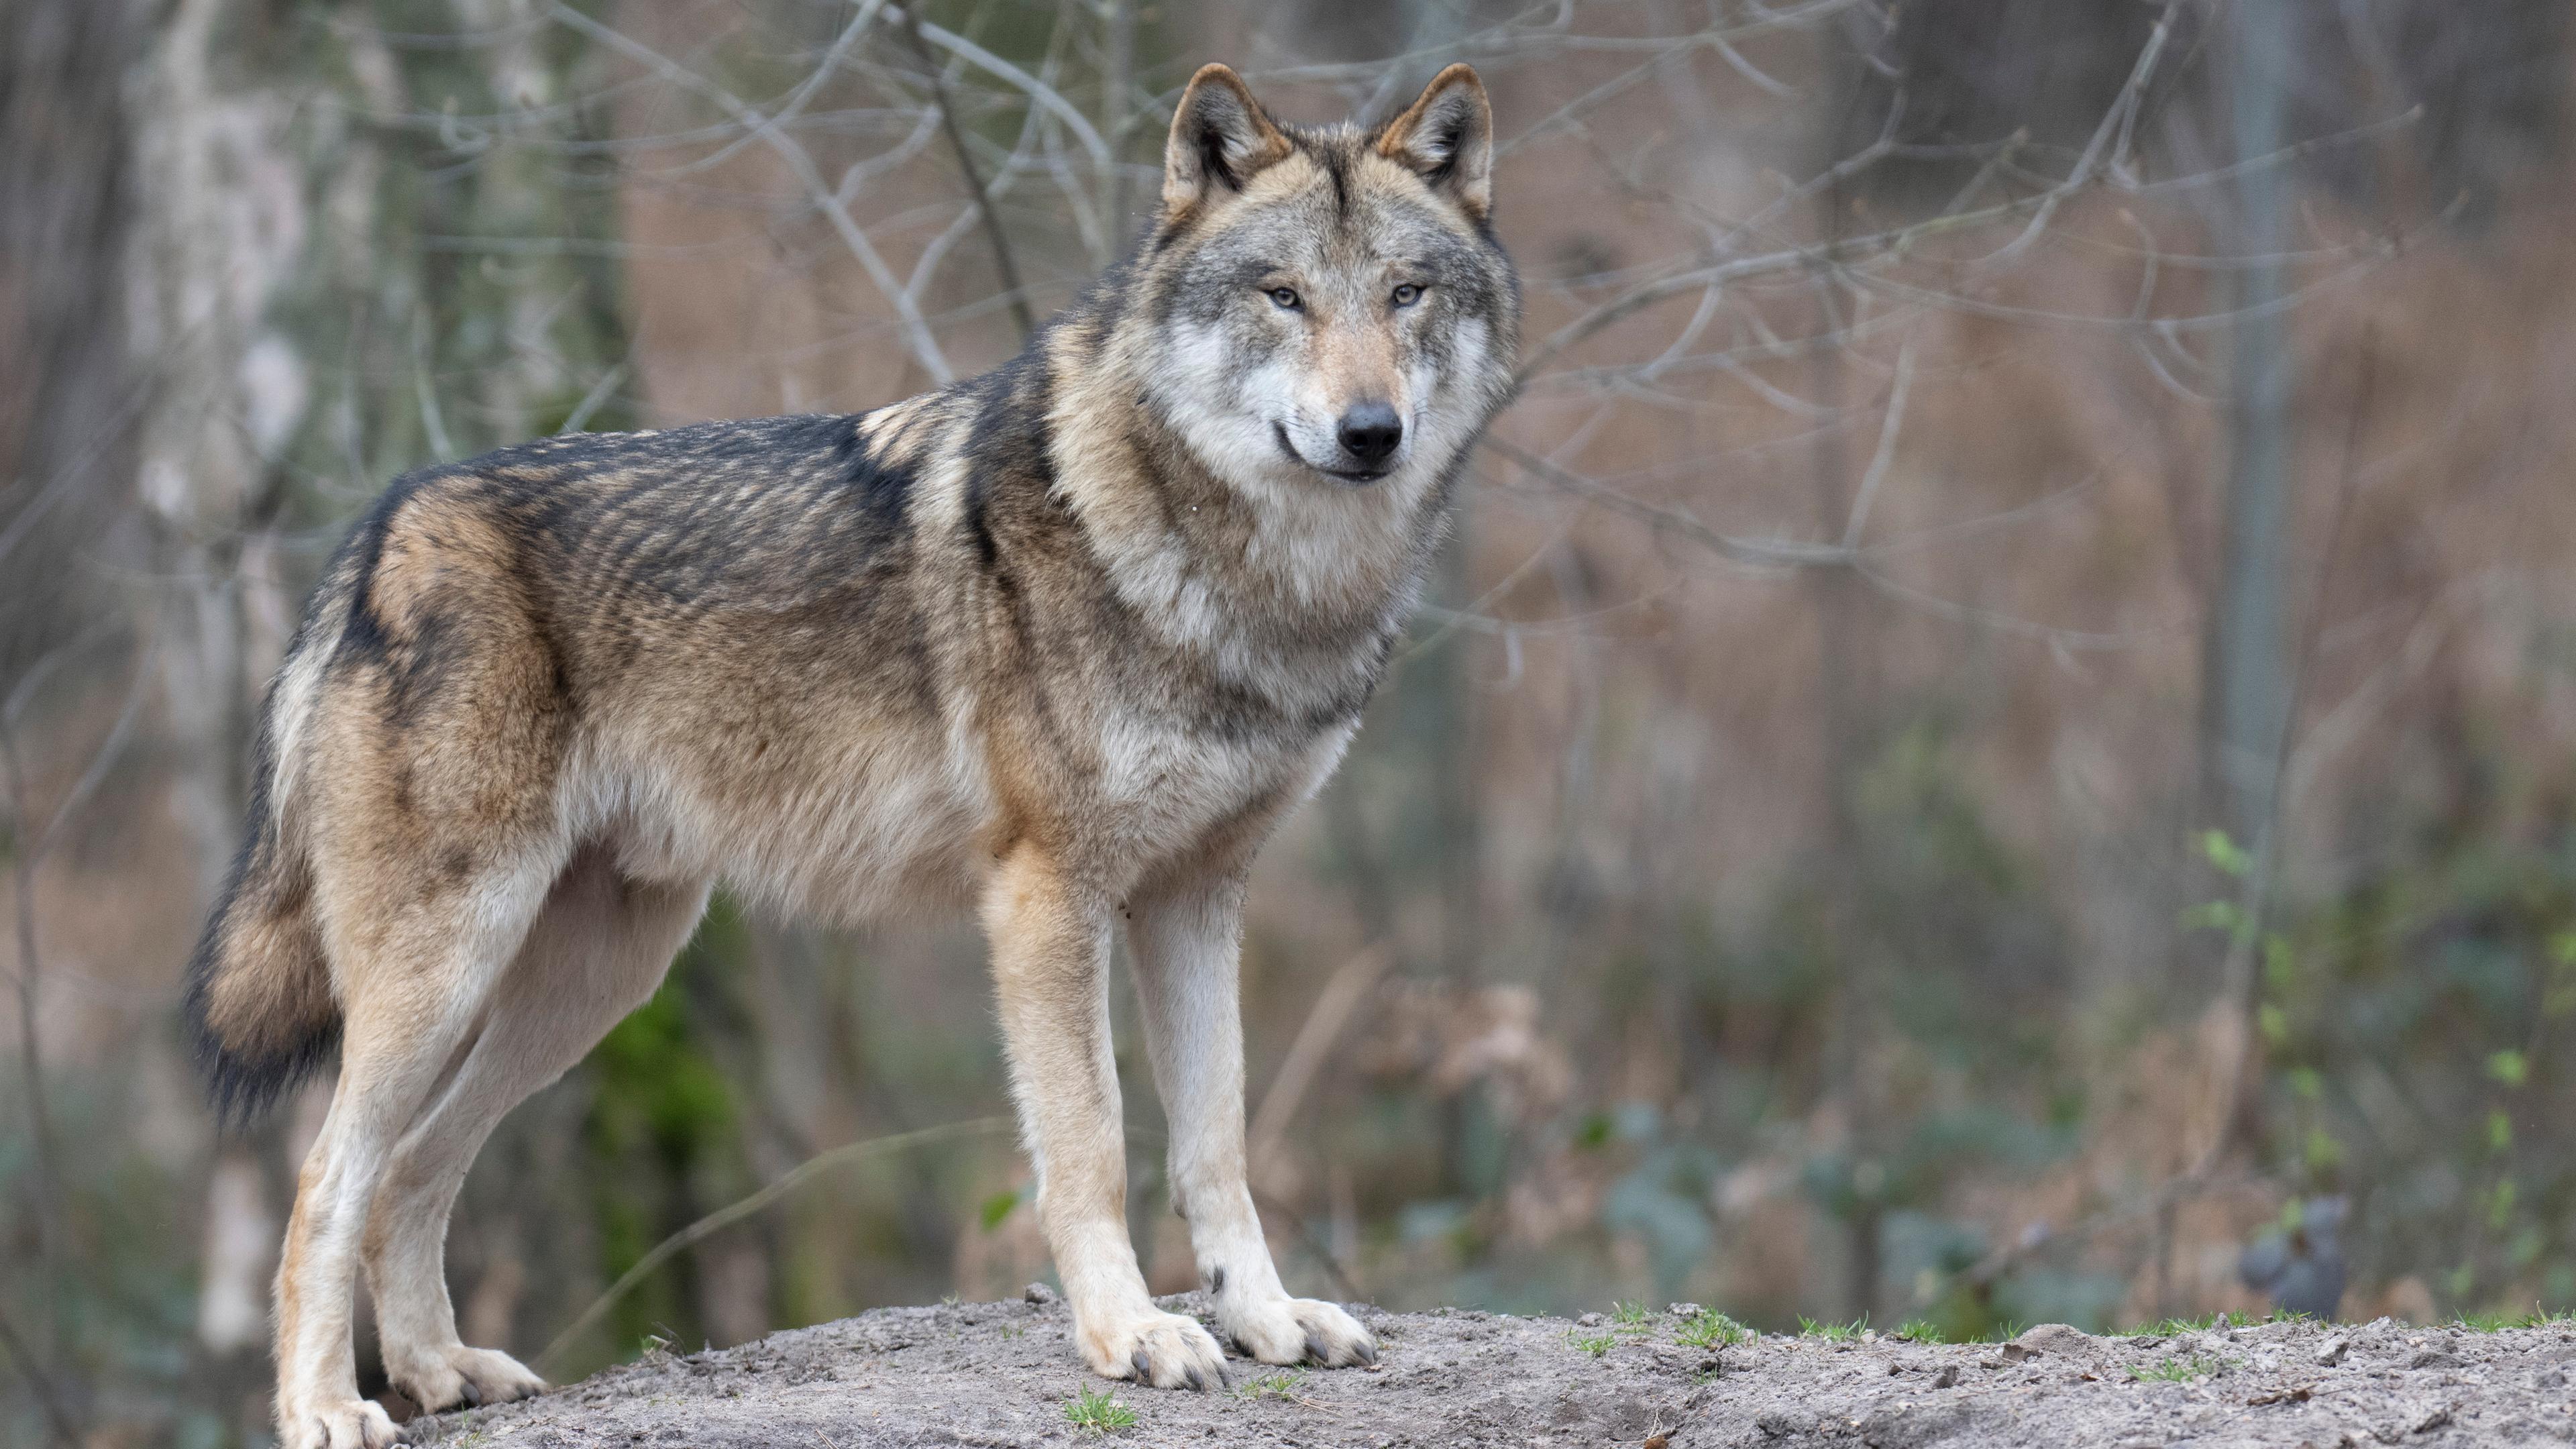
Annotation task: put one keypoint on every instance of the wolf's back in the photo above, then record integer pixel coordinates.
(259, 1007)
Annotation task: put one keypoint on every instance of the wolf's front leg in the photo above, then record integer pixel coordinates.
(1185, 936)
(1050, 944)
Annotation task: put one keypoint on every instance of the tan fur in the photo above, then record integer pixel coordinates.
(1058, 648)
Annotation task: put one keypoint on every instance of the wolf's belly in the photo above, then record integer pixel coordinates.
(866, 824)
(898, 820)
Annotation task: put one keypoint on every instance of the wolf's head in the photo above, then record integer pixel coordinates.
(1326, 307)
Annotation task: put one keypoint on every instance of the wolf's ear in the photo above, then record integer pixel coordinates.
(1447, 137)
(1219, 138)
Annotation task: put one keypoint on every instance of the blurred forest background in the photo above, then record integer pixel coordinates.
(2000, 726)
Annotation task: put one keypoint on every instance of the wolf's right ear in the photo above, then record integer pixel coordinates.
(1219, 138)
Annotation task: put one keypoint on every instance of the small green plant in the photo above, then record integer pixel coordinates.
(2171, 1370)
(1595, 1344)
(2168, 1327)
(1631, 1318)
(1833, 1332)
(1919, 1330)
(1281, 1385)
(1094, 1412)
(2498, 1322)
(1709, 1328)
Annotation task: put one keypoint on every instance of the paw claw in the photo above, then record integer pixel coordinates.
(1155, 1349)
(349, 1424)
(1286, 1330)
(440, 1379)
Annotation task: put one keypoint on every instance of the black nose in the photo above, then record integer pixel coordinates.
(1370, 431)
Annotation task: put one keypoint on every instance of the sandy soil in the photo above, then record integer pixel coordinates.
(995, 1374)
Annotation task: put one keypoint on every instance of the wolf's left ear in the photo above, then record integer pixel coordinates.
(1219, 138)
(1447, 137)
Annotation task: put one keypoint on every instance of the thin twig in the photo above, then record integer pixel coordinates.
(1332, 1011)
(1003, 262)
(724, 1217)
(2239, 981)
(925, 348)
(1120, 113)
(1876, 473)
(58, 1415)
(1036, 90)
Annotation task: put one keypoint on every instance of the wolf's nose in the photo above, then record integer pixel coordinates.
(1370, 431)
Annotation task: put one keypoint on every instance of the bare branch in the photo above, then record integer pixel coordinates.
(1003, 262)
(925, 348)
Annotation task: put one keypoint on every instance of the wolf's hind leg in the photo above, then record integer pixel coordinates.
(596, 952)
(1184, 935)
(416, 969)
(1050, 943)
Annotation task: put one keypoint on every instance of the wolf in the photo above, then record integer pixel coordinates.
(1058, 646)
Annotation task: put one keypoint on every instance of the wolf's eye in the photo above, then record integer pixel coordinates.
(1407, 294)
(1286, 297)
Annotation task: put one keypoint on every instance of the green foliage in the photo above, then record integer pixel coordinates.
(2427, 981)
(1094, 1412)
(2497, 1322)
(2181, 1370)
(1595, 1344)
(1282, 1384)
(1630, 1319)
(2225, 854)
(1711, 1329)
(1832, 1332)
(2169, 1327)
(663, 1130)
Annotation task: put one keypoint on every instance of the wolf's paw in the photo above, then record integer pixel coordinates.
(1165, 1350)
(336, 1424)
(461, 1377)
(1297, 1330)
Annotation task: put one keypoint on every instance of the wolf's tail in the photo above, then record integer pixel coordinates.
(259, 1008)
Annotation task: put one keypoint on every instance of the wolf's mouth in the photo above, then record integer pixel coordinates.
(1350, 476)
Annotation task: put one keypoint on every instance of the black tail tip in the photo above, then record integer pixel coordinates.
(242, 1084)
(240, 1088)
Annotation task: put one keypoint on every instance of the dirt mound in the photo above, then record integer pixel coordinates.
(996, 1374)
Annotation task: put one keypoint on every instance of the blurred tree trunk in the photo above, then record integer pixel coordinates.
(1844, 700)
(66, 394)
(2247, 668)
(282, 269)
(66, 384)
(220, 229)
